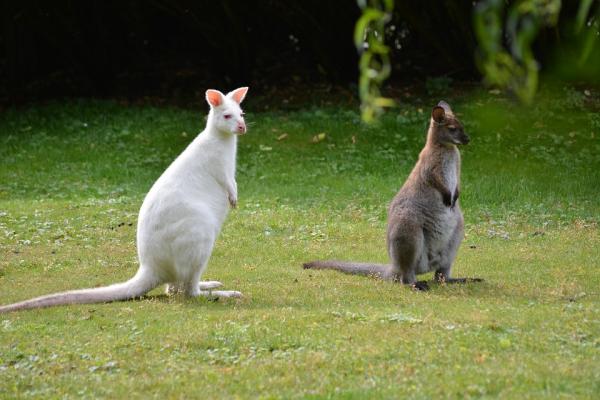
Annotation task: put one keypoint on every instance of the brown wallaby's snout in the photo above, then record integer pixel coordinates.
(463, 138)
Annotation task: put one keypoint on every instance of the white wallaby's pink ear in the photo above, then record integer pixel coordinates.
(214, 97)
(239, 94)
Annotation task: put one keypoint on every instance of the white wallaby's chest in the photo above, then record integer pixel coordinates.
(194, 186)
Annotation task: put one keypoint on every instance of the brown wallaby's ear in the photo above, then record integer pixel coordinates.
(238, 94)
(445, 106)
(438, 114)
(214, 97)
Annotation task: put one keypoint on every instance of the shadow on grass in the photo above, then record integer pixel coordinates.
(185, 300)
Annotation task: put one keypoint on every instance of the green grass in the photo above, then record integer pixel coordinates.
(73, 175)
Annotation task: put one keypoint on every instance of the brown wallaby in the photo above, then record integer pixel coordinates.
(425, 223)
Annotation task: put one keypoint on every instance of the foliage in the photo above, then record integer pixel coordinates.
(374, 63)
(505, 31)
(72, 178)
(587, 25)
(517, 68)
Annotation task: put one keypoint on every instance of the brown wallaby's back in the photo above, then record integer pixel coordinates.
(425, 223)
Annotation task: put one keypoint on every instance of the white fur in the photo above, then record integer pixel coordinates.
(451, 173)
(180, 217)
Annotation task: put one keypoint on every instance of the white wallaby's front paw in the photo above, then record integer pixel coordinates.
(227, 293)
(232, 201)
(208, 285)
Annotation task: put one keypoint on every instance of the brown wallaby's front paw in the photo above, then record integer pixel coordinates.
(455, 198)
(447, 199)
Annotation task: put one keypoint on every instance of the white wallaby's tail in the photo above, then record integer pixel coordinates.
(137, 286)
(376, 270)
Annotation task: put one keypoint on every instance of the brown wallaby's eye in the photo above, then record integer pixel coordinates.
(227, 116)
(452, 128)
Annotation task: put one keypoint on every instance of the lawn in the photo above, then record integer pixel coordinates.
(73, 176)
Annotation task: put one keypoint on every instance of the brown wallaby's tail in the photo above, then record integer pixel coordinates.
(137, 286)
(376, 270)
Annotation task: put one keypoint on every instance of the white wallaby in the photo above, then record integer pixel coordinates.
(180, 217)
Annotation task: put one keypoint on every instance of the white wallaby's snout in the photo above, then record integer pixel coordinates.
(241, 127)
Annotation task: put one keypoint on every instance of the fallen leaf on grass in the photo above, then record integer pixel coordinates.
(319, 137)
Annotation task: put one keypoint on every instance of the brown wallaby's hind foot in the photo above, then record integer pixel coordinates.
(467, 280)
(458, 280)
(421, 286)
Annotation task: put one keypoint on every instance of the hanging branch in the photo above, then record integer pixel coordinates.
(374, 63)
(515, 69)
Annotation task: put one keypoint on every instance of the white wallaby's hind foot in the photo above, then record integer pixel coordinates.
(176, 288)
(221, 293)
(208, 285)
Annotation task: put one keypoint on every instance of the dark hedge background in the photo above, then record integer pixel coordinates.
(175, 49)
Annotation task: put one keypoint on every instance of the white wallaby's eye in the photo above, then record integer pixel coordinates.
(227, 116)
